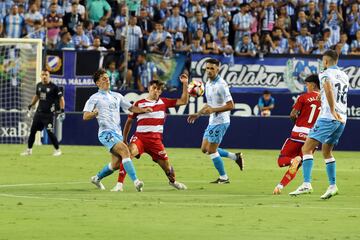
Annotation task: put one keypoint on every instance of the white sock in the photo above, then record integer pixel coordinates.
(232, 156)
(280, 186)
(307, 184)
(136, 182)
(224, 177)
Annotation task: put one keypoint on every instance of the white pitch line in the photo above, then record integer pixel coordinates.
(176, 203)
(40, 184)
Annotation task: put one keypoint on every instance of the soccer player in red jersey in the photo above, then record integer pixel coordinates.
(148, 135)
(304, 112)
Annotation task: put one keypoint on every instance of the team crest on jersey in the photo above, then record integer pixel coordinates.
(47, 89)
(112, 106)
(53, 63)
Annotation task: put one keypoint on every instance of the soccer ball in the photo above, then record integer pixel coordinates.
(196, 89)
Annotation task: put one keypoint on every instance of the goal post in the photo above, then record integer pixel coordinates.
(20, 68)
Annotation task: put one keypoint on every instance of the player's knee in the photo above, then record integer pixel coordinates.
(211, 151)
(305, 150)
(115, 165)
(133, 150)
(121, 149)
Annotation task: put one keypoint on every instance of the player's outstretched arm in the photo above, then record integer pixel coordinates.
(90, 115)
(127, 128)
(227, 107)
(192, 117)
(331, 100)
(135, 109)
(184, 99)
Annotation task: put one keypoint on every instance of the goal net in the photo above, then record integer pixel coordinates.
(20, 68)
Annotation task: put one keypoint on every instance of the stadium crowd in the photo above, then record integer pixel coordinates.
(229, 27)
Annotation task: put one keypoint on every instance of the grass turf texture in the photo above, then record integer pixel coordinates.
(60, 203)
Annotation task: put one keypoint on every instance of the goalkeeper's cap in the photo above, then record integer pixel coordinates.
(314, 78)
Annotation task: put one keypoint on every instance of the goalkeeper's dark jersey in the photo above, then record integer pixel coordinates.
(49, 95)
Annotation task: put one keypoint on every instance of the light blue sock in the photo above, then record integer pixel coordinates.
(218, 163)
(223, 152)
(106, 171)
(129, 168)
(331, 170)
(307, 164)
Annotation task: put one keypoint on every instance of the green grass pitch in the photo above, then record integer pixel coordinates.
(45, 197)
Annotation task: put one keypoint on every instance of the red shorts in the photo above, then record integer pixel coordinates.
(152, 146)
(291, 148)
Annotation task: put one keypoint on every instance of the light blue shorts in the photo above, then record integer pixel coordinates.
(215, 133)
(327, 131)
(109, 139)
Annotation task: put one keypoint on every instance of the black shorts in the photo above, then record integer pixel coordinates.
(43, 120)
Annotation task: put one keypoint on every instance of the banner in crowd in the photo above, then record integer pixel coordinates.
(245, 103)
(73, 70)
(275, 73)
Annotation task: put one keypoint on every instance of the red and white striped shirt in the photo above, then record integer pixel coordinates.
(152, 123)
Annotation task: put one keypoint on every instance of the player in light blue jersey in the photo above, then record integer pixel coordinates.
(329, 125)
(105, 106)
(219, 104)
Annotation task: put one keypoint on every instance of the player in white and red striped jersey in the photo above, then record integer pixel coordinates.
(149, 130)
(305, 112)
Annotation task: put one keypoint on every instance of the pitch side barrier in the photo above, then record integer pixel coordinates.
(252, 132)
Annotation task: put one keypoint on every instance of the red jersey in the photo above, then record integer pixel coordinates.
(309, 108)
(152, 123)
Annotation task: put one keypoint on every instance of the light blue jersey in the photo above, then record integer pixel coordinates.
(340, 86)
(327, 129)
(108, 104)
(217, 95)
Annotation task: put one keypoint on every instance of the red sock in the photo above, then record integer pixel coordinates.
(284, 161)
(288, 177)
(122, 174)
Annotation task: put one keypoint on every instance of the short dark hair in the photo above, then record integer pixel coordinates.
(142, 53)
(266, 92)
(314, 78)
(333, 55)
(276, 39)
(213, 61)
(98, 74)
(158, 84)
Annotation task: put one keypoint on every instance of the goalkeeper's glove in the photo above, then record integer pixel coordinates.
(61, 115)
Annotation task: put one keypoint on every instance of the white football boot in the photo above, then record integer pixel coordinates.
(57, 153)
(27, 152)
(178, 185)
(139, 185)
(331, 191)
(277, 189)
(304, 188)
(117, 188)
(95, 180)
